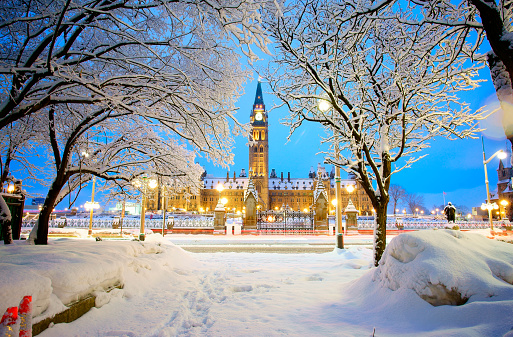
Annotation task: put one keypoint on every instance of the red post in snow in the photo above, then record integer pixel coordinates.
(25, 314)
(8, 326)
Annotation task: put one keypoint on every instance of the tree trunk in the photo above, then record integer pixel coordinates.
(6, 220)
(46, 211)
(5, 171)
(7, 232)
(495, 30)
(380, 231)
(500, 59)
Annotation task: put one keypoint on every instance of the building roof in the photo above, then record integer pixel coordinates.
(250, 191)
(239, 183)
(231, 184)
(259, 98)
(320, 190)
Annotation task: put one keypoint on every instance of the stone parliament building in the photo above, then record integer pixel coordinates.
(274, 191)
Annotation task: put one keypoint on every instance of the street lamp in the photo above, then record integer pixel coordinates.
(142, 185)
(325, 105)
(166, 189)
(504, 203)
(350, 189)
(220, 189)
(91, 206)
(489, 206)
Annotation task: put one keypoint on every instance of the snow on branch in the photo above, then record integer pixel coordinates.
(391, 85)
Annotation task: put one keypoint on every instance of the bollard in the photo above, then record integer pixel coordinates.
(340, 241)
(8, 326)
(25, 313)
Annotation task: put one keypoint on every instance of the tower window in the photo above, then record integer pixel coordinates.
(261, 149)
(262, 135)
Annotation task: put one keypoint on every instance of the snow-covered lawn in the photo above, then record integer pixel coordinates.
(170, 292)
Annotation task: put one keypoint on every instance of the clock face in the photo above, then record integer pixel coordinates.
(258, 116)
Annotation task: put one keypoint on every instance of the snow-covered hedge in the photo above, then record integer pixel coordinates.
(448, 267)
(67, 270)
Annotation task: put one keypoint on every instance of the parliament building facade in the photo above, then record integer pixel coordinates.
(274, 191)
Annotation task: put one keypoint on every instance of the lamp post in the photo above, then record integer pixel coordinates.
(504, 203)
(350, 189)
(164, 207)
(142, 184)
(91, 206)
(220, 189)
(167, 190)
(338, 206)
(489, 206)
(324, 105)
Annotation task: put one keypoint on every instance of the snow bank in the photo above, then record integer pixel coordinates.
(448, 267)
(68, 269)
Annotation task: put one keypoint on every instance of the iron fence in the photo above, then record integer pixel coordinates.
(285, 220)
(171, 222)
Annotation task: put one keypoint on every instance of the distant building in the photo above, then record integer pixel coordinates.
(38, 201)
(274, 191)
(504, 191)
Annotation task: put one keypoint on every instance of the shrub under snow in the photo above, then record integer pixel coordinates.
(448, 267)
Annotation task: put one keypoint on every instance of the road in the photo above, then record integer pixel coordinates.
(281, 249)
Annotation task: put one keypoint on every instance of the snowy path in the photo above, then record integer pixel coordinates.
(170, 292)
(229, 294)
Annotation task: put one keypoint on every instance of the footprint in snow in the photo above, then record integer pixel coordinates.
(240, 289)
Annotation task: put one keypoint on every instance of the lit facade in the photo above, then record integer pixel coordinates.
(274, 192)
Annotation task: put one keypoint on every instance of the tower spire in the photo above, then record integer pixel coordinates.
(259, 98)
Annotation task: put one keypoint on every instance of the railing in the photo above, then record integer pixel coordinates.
(292, 221)
(171, 222)
(284, 220)
(417, 225)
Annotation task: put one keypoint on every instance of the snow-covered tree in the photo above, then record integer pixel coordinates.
(169, 60)
(386, 88)
(492, 19)
(18, 146)
(396, 193)
(170, 65)
(116, 147)
(414, 202)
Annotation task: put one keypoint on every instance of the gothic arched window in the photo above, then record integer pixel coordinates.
(262, 135)
(261, 149)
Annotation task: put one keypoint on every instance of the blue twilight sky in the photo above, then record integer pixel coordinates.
(453, 167)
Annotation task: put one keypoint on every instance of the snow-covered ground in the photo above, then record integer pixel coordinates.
(170, 292)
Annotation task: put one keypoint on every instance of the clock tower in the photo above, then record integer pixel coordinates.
(259, 148)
